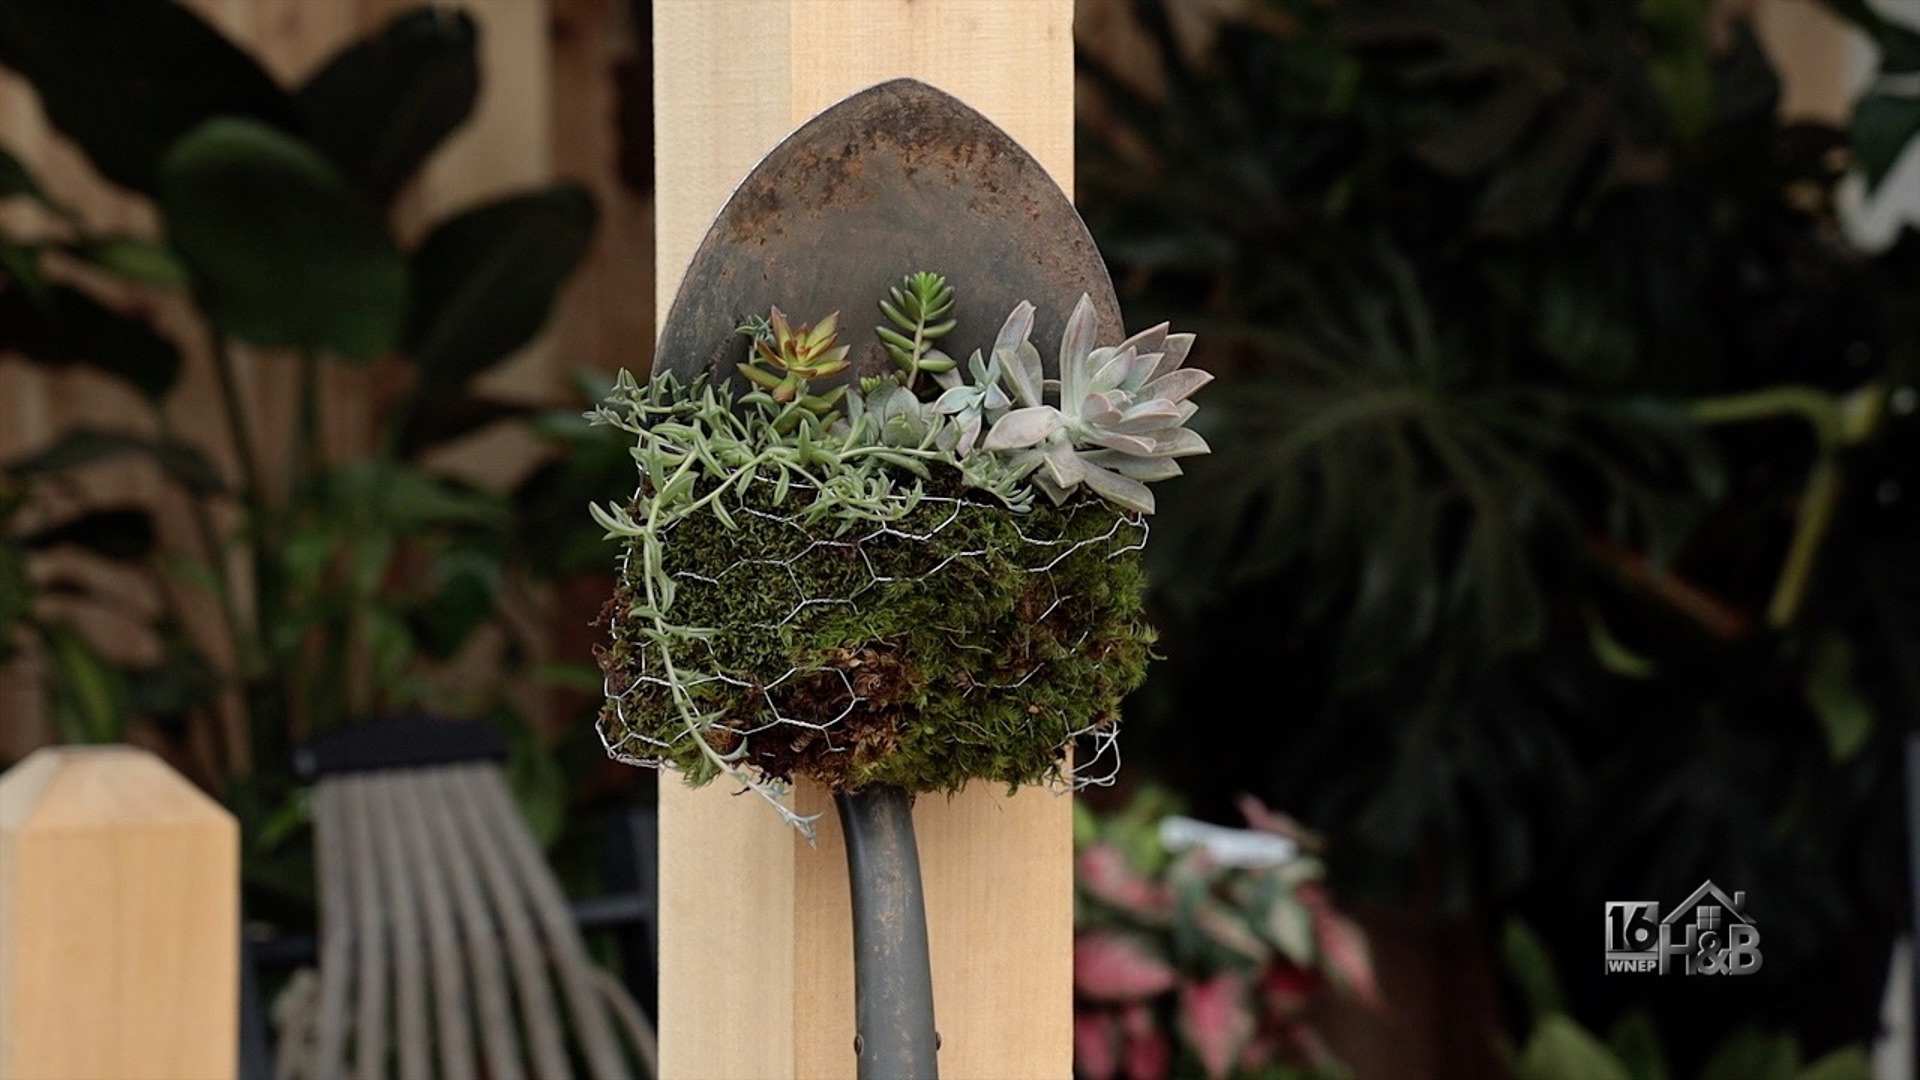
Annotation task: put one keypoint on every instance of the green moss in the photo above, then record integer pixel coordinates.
(964, 641)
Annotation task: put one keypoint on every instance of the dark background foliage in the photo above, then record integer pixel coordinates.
(1557, 543)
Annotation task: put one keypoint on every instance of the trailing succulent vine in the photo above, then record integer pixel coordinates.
(857, 584)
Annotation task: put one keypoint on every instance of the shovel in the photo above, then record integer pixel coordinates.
(897, 178)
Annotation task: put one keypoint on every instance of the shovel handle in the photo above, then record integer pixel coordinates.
(892, 974)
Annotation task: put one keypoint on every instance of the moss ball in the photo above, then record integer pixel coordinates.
(962, 641)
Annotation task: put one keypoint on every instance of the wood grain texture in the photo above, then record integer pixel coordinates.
(756, 962)
(119, 918)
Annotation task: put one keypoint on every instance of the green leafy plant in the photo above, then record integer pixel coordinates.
(1557, 1047)
(1189, 963)
(1560, 506)
(343, 582)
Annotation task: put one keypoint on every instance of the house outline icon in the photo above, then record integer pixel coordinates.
(1731, 905)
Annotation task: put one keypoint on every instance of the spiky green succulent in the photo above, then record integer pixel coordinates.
(919, 309)
(1121, 415)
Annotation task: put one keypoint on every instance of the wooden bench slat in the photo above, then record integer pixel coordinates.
(370, 930)
(402, 923)
(538, 1010)
(440, 915)
(454, 1037)
(572, 969)
(336, 934)
(478, 932)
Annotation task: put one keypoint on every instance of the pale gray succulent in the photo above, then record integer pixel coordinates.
(894, 415)
(972, 405)
(1120, 420)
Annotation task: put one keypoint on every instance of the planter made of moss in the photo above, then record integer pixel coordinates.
(961, 640)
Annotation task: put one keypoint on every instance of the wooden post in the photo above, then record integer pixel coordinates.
(756, 975)
(119, 921)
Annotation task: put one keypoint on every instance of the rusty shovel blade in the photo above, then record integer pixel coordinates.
(897, 178)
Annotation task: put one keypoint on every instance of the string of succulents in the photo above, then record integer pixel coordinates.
(1032, 631)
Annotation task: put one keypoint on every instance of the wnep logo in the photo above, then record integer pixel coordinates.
(1707, 934)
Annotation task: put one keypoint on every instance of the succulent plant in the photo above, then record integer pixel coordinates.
(919, 310)
(1121, 417)
(895, 416)
(783, 359)
(971, 405)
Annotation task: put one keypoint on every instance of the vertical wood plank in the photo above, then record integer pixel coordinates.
(609, 323)
(119, 921)
(756, 969)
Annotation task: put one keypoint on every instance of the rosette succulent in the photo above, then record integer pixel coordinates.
(783, 359)
(968, 406)
(1120, 421)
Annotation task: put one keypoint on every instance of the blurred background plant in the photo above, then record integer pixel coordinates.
(1205, 956)
(315, 584)
(1561, 499)
(1555, 1046)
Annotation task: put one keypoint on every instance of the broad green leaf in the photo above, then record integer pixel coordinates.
(89, 696)
(579, 677)
(1636, 1042)
(1755, 1055)
(403, 499)
(463, 604)
(443, 417)
(71, 328)
(1225, 928)
(380, 107)
(282, 251)
(1680, 61)
(486, 279)
(1289, 925)
(1846, 1063)
(288, 818)
(1883, 125)
(1833, 691)
(21, 262)
(82, 446)
(1612, 653)
(388, 645)
(1527, 960)
(126, 88)
(1560, 1049)
(136, 260)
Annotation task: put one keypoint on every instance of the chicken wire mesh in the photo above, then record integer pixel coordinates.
(953, 640)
